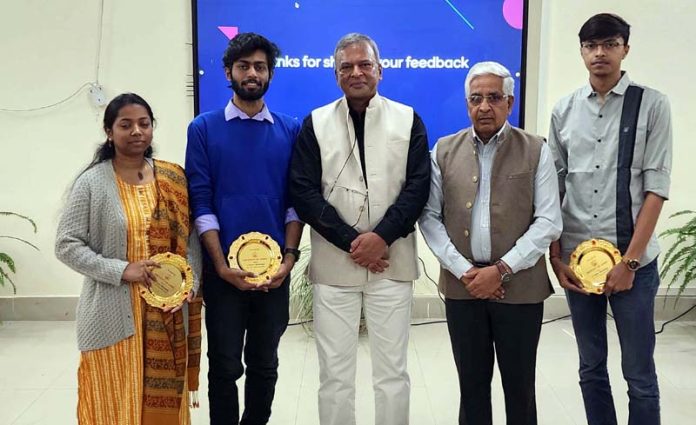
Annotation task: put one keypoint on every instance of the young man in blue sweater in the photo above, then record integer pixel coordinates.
(237, 161)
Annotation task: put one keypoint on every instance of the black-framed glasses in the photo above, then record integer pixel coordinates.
(591, 46)
(493, 99)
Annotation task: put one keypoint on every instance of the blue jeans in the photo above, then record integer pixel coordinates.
(634, 317)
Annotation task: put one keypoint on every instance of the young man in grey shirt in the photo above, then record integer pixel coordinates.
(612, 144)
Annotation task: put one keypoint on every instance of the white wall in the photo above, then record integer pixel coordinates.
(48, 49)
(662, 34)
(660, 57)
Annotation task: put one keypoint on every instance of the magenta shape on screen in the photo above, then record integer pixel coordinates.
(512, 12)
(230, 32)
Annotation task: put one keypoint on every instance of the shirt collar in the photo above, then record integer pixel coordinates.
(232, 112)
(496, 137)
(619, 88)
(374, 103)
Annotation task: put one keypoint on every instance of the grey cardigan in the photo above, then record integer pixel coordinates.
(91, 240)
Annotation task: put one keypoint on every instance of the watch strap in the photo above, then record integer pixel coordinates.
(294, 252)
(505, 275)
(632, 264)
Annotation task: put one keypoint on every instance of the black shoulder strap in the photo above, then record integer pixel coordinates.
(627, 139)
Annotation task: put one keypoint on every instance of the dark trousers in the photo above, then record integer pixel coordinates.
(479, 329)
(242, 320)
(634, 318)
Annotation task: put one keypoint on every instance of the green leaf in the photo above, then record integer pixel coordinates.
(674, 247)
(680, 269)
(682, 212)
(672, 258)
(680, 259)
(3, 277)
(301, 295)
(4, 258)
(688, 265)
(21, 240)
(10, 213)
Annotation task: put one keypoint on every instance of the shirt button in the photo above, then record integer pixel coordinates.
(360, 178)
(475, 179)
(595, 191)
(595, 216)
(599, 140)
(597, 166)
(469, 205)
(466, 233)
(600, 115)
(362, 209)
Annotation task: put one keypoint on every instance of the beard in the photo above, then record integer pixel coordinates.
(249, 95)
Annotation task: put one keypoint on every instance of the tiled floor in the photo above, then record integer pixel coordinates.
(38, 363)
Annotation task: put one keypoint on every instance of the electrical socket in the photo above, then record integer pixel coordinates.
(96, 95)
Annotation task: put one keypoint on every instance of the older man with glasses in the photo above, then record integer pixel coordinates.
(360, 176)
(492, 213)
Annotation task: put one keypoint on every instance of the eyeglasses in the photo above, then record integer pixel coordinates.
(347, 68)
(591, 46)
(493, 99)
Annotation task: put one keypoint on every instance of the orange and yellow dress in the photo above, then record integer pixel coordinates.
(111, 379)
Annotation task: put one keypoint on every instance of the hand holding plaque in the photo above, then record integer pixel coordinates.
(257, 253)
(591, 261)
(172, 283)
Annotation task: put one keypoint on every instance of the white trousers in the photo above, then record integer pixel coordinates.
(387, 305)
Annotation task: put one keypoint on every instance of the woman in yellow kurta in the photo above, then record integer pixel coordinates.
(137, 362)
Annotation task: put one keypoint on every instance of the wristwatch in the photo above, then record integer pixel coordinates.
(505, 276)
(294, 252)
(631, 263)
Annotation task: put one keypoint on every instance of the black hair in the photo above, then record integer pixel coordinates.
(604, 25)
(106, 149)
(245, 44)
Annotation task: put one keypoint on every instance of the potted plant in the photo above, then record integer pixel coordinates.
(301, 297)
(7, 264)
(680, 259)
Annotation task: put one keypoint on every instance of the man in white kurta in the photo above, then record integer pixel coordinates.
(360, 178)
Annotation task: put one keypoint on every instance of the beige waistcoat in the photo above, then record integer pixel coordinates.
(387, 139)
(511, 206)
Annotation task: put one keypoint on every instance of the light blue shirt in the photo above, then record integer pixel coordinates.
(232, 112)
